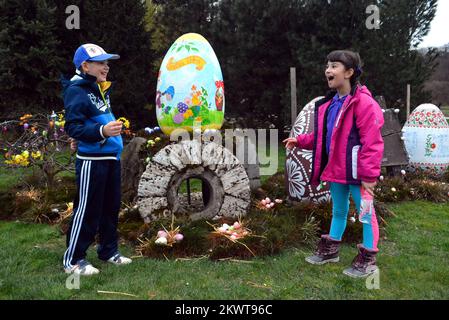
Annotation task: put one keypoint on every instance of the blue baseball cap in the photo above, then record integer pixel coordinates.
(91, 52)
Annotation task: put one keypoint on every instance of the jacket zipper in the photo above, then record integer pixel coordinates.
(342, 111)
(103, 143)
(104, 99)
(336, 124)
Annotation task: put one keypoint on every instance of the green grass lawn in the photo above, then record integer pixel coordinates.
(281, 155)
(414, 264)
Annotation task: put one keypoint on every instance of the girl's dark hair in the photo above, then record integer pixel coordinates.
(351, 60)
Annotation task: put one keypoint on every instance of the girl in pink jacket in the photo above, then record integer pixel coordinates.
(347, 152)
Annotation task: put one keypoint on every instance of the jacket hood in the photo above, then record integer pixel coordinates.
(77, 80)
(355, 90)
(83, 79)
(362, 90)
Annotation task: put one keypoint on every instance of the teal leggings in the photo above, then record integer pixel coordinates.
(340, 209)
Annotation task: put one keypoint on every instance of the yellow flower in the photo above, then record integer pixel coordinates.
(157, 139)
(125, 122)
(19, 160)
(36, 155)
(26, 117)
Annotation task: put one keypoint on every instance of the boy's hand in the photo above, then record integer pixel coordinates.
(73, 144)
(112, 129)
(290, 143)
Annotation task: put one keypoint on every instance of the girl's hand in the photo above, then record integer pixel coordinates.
(290, 143)
(369, 187)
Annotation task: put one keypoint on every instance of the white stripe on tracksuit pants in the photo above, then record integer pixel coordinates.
(97, 206)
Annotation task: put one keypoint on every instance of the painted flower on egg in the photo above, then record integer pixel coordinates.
(296, 181)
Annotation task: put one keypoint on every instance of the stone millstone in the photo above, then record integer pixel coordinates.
(131, 168)
(222, 173)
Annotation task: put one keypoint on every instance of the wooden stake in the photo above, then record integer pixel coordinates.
(408, 100)
(119, 293)
(294, 101)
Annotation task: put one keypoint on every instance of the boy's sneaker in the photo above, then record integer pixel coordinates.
(363, 265)
(118, 259)
(83, 268)
(327, 251)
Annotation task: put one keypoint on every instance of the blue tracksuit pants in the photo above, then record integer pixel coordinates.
(96, 209)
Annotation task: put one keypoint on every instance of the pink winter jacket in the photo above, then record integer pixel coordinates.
(356, 148)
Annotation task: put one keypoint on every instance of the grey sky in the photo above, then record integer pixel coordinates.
(438, 35)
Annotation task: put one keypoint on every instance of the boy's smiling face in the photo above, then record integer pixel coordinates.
(98, 69)
(337, 75)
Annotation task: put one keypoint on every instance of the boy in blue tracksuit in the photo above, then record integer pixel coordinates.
(89, 120)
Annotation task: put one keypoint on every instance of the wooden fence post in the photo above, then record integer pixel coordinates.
(408, 101)
(294, 100)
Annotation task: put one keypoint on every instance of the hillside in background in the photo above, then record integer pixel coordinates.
(438, 83)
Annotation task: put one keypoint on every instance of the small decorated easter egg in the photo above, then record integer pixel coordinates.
(179, 237)
(162, 234)
(161, 241)
(222, 230)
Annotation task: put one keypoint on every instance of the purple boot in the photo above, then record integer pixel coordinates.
(363, 264)
(327, 251)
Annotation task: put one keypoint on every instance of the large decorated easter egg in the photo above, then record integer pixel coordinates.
(426, 135)
(299, 162)
(190, 88)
